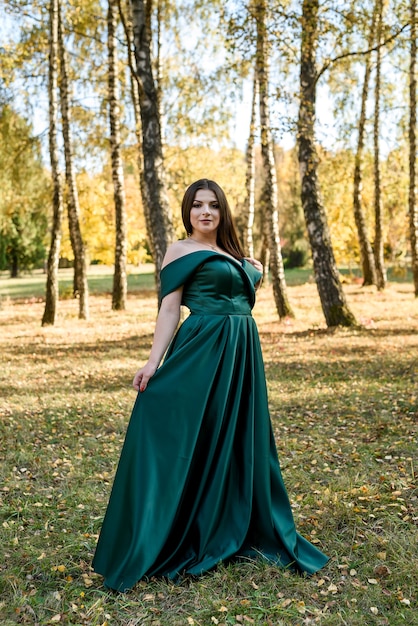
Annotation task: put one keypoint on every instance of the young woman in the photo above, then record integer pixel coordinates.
(198, 480)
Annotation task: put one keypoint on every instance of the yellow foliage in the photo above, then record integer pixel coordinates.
(98, 219)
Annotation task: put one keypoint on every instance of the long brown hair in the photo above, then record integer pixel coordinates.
(227, 237)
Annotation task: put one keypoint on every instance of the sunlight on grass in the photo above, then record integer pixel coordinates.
(344, 407)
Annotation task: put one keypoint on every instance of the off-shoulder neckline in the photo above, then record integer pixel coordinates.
(207, 252)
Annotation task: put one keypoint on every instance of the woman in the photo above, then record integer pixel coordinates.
(198, 480)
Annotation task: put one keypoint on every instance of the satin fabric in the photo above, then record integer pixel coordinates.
(198, 481)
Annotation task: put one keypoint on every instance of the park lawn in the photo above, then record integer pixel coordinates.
(344, 410)
(100, 278)
(141, 278)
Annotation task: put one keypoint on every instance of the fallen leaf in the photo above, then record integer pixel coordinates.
(382, 571)
(149, 597)
(300, 607)
(87, 580)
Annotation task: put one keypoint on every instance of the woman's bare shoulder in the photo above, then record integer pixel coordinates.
(176, 250)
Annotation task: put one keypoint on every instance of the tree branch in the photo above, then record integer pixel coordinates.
(327, 65)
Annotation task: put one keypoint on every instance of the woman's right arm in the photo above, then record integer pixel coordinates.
(167, 322)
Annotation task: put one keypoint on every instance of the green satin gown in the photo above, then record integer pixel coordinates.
(198, 481)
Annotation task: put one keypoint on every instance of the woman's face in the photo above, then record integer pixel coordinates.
(205, 215)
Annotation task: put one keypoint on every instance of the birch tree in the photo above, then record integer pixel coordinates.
(52, 286)
(333, 301)
(378, 237)
(366, 250)
(73, 206)
(413, 208)
(153, 175)
(269, 196)
(119, 277)
(250, 175)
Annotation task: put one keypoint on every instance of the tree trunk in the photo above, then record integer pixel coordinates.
(413, 209)
(366, 250)
(14, 264)
(265, 259)
(334, 305)
(136, 97)
(52, 287)
(158, 68)
(270, 199)
(154, 194)
(80, 268)
(250, 176)
(378, 239)
(119, 277)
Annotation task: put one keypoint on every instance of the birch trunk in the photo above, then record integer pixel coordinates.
(334, 305)
(270, 198)
(378, 239)
(154, 194)
(250, 176)
(135, 95)
(413, 209)
(265, 260)
(52, 286)
(366, 250)
(119, 277)
(80, 265)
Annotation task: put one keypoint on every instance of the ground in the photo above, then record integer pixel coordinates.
(344, 405)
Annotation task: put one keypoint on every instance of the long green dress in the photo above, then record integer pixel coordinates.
(198, 480)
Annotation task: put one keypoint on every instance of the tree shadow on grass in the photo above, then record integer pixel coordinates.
(349, 332)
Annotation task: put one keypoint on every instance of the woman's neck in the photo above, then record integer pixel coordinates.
(205, 242)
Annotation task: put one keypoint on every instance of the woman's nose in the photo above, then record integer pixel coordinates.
(206, 209)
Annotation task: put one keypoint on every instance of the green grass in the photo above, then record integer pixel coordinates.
(100, 279)
(344, 407)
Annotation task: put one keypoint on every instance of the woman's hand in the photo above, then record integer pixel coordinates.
(255, 263)
(143, 375)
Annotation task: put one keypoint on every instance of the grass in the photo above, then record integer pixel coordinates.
(32, 285)
(100, 281)
(344, 406)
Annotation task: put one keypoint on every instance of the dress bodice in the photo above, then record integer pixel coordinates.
(217, 288)
(213, 283)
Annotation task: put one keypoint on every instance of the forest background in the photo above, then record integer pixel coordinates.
(203, 62)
